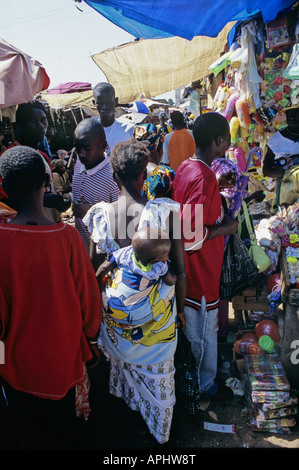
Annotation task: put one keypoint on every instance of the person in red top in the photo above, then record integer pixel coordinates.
(203, 230)
(50, 304)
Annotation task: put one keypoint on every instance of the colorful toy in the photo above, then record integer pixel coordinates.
(230, 106)
(222, 98)
(234, 125)
(242, 113)
(240, 157)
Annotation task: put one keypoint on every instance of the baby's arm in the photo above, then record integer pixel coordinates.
(169, 278)
(106, 267)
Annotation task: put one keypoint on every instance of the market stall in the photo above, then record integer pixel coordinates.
(259, 79)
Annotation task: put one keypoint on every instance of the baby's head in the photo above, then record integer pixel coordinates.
(23, 173)
(151, 245)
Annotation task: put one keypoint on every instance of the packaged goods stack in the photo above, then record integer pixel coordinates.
(271, 406)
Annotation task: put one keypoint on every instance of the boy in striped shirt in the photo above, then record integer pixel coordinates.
(93, 180)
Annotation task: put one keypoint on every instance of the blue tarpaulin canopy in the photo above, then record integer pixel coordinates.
(154, 19)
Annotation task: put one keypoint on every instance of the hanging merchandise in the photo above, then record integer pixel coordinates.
(221, 63)
(239, 155)
(242, 112)
(292, 70)
(194, 101)
(234, 127)
(252, 79)
(294, 96)
(238, 270)
(223, 97)
(230, 107)
(277, 33)
(256, 252)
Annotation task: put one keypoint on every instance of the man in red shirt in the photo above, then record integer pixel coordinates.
(203, 229)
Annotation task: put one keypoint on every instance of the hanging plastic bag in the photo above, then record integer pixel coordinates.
(256, 252)
(289, 189)
(292, 70)
(220, 63)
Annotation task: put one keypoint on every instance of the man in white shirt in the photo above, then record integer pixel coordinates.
(106, 102)
(92, 180)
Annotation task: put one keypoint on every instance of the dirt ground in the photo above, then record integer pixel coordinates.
(125, 429)
(115, 432)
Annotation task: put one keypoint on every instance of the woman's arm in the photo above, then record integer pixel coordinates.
(228, 227)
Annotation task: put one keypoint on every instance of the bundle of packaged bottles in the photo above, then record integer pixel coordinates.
(271, 405)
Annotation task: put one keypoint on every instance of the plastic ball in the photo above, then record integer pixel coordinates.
(249, 338)
(266, 343)
(268, 327)
(273, 282)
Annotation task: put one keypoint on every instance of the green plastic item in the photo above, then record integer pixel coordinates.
(266, 343)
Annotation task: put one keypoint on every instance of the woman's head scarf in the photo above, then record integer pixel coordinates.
(159, 183)
(150, 135)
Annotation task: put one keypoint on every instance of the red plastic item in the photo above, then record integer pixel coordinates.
(268, 327)
(240, 156)
(242, 113)
(249, 338)
(273, 282)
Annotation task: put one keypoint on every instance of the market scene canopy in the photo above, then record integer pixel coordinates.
(153, 19)
(21, 76)
(174, 62)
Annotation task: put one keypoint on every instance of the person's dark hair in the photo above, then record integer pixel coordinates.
(102, 87)
(177, 119)
(128, 158)
(208, 127)
(24, 111)
(22, 170)
(92, 126)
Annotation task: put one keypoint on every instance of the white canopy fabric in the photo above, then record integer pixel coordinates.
(21, 76)
(156, 66)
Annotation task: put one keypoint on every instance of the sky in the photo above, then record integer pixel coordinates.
(61, 37)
